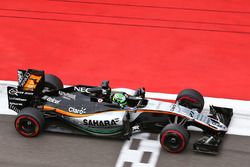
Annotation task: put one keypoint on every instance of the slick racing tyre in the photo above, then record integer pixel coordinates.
(191, 98)
(52, 83)
(174, 138)
(29, 122)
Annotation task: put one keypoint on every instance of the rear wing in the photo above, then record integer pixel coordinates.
(30, 83)
(30, 80)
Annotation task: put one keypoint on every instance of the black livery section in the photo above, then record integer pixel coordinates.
(77, 102)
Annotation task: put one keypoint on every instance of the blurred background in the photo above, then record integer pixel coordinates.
(162, 45)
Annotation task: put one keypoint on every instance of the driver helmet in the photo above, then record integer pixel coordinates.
(120, 98)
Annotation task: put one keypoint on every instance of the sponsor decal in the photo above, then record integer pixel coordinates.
(16, 104)
(173, 107)
(25, 78)
(15, 92)
(215, 124)
(191, 114)
(77, 111)
(28, 93)
(136, 128)
(51, 99)
(12, 107)
(81, 89)
(20, 76)
(17, 99)
(100, 122)
(67, 95)
(31, 82)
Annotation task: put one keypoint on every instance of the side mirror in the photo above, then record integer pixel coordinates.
(105, 84)
(140, 92)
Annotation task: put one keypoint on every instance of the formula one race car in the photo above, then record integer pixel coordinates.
(43, 104)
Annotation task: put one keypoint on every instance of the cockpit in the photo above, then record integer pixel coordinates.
(104, 93)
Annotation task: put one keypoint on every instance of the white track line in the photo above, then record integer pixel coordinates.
(135, 156)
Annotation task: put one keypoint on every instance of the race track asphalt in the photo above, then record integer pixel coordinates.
(54, 149)
(235, 152)
(59, 150)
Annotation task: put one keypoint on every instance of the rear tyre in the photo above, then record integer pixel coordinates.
(52, 83)
(174, 138)
(191, 98)
(29, 122)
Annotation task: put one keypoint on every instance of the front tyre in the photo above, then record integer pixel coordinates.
(29, 122)
(174, 138)
(191, 98)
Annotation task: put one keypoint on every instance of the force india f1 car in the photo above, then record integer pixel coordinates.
(43, 104)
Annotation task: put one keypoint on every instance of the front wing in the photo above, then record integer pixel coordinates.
(211, 141)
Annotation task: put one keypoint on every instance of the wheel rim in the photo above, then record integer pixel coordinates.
(173, 141)
(27, 126)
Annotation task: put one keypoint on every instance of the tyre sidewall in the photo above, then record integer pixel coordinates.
(33, 115)
(174, 130)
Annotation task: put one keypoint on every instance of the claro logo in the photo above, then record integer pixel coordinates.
(77, 111)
